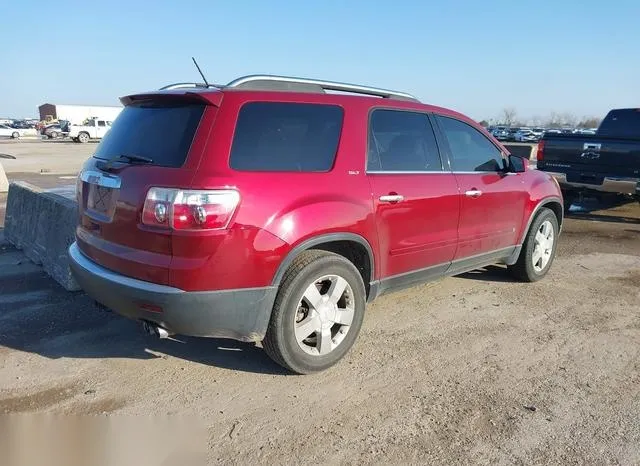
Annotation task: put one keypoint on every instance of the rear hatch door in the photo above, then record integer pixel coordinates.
(156, 141)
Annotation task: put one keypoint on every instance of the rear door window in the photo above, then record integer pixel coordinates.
(162, 132)
(282, 136)
(401, 141)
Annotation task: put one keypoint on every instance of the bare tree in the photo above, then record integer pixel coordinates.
(553, 121)
(589, 122)
(569, 119)
(508, 116)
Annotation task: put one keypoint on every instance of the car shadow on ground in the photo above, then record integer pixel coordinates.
(614, 208)
(491, 273)
(603, 218)
(38, 316)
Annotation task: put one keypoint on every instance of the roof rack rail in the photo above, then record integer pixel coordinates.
(273, 82)
(187, 86)
(287, 83)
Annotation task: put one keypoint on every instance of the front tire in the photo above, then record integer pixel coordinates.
(317, 314)
(539, 248)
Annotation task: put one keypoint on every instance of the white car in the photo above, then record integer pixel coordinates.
(539, 132)
(525, 135)
(9, 132)
(92, 128)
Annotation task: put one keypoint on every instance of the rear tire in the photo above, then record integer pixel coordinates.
(539, 248)
(53, 135)
(83, 137)
(15, 135)
(317, 314)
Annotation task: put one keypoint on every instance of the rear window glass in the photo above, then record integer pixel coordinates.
(161, 132)
(279, 136)
(624, 123)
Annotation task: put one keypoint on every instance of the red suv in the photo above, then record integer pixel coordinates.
(273, 210)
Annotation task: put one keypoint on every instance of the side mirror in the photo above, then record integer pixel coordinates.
(516, 164)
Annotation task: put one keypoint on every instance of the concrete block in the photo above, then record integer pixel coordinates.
(4, 183)
(42, 223)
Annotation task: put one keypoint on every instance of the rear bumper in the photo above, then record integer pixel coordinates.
(241, 314)
(619, 185)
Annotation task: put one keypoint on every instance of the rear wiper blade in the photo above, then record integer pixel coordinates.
(133, 158)
(124, 158)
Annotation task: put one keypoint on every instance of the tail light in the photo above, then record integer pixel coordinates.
(179, 209)
(540, 152)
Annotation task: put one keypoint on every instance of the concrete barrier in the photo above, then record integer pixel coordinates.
(42, 223)
(4, 183)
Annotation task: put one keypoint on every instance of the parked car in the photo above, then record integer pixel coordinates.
(584, 131)
(501, 134)
(21, 124)
(54, 131)
(607, 162)
(91, 128)
(525, 135)
(539, 132)
(270, 210)
(9, 132)
(511, 136)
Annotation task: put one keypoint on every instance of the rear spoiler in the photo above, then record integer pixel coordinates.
(207, 96)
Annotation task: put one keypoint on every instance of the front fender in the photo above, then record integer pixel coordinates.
(544, 191)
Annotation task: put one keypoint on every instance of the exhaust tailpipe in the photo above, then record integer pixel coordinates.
(155, 330)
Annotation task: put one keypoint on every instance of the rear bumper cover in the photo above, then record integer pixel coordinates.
(620, 185)
(241, 314)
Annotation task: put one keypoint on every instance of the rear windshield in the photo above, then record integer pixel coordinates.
(624, 123)
(161, 132)
(277, 136)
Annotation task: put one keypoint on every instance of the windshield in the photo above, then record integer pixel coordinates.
(160, 132)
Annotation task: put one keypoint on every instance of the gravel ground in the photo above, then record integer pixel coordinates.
(470, 369)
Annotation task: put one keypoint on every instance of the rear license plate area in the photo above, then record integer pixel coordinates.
(101, 201)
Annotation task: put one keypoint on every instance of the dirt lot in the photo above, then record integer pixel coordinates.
(475, 368)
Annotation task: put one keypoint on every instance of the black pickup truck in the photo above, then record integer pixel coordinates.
(607, 162)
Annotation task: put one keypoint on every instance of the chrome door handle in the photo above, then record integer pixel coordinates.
(392, 198)
(473, 193)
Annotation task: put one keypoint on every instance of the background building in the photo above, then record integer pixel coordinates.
(77, 113)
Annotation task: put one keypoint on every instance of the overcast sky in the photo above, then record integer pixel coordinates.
(476, 57)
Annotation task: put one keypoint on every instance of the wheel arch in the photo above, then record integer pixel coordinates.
(555, 204)
(351, 246)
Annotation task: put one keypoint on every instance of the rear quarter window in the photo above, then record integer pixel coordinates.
(283, 136)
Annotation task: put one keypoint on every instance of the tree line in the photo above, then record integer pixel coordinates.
(509, 117)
